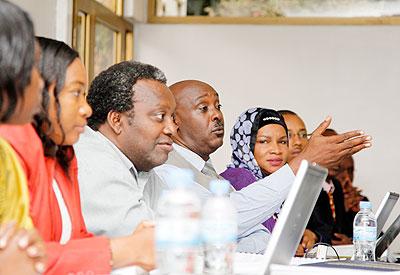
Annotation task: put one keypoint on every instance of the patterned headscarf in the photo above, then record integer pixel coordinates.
(244, 134)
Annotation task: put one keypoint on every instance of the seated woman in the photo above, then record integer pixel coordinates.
(259, 143)
(259, 147)
(51, 168)
(21, 250)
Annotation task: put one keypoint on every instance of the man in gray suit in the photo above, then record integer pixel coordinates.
(129, 133)
(200, 133)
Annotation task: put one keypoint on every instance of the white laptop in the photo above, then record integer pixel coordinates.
(294, 215)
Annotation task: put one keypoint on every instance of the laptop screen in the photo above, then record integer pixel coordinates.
(383, 243)
(384, 210)
(295, 214)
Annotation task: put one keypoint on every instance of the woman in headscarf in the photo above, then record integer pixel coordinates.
(259, 141)
(259, 147)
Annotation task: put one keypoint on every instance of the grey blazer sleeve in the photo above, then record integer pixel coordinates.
(112, 201)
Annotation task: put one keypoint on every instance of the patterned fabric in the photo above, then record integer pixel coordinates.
(244, 134)
(243, 138)
(209, 170)
(241, 135)
(331, 198)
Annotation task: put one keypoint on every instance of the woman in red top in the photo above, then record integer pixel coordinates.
(47, 156)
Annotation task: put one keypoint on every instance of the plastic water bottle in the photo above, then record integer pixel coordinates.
(219, 231)
(178, 239)
(364, 233)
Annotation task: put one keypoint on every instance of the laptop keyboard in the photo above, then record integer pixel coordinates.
(259, 258)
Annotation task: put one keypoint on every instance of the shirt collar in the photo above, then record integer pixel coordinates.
(129, 165)
(328, 186)
(191, 157)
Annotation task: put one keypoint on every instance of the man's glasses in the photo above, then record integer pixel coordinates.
(301, 135)
(349, 170)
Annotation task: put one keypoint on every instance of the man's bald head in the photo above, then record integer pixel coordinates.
(198, 116)
(183, 89)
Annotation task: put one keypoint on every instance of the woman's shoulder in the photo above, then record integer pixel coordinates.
(233, 171)
(238, 177)
(23, 138)
(5, 149)
(28, 147)
(8, 158)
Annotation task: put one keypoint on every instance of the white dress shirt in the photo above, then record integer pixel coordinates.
(191, 157)
(65, 217)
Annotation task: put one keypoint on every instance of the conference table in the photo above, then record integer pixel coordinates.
(252, 264)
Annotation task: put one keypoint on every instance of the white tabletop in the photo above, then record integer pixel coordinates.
(252, 264)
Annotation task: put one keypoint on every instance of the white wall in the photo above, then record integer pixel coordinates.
(52, 18)
(41, 13)
(349, 72)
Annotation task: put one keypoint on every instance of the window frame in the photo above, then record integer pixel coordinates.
(96, 12)
(154, 19)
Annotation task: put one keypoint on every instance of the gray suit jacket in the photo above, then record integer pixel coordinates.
(111, 192)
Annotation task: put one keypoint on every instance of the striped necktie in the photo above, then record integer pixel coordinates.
(209, 170)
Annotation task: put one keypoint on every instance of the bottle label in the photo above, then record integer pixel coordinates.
(364, 233)
(177, 233)
(219, 231)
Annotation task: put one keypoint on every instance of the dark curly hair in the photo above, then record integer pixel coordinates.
(17, 55)
(112, 89)
(54, 61)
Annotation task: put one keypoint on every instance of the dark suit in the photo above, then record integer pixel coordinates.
(322, 214)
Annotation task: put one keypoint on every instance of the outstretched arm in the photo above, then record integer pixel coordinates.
(329, 151)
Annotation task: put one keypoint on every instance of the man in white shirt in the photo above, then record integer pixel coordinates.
(200, 133)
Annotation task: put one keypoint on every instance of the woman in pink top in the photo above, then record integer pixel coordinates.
(51, 168)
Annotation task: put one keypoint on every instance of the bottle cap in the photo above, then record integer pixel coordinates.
(365, 205)
(179, 178)
(219, 187)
